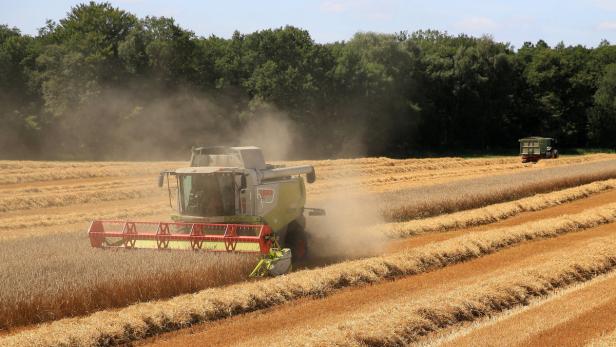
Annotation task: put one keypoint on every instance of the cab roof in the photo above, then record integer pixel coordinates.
(207, 170)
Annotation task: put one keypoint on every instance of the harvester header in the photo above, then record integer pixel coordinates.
(228, 200)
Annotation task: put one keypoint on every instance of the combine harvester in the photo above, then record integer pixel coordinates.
(229, 200)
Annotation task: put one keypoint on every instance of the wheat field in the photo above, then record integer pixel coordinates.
(432, 216)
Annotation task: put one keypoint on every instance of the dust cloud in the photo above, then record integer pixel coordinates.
(141, 124)
(345, 233)
(153, 121)
(271, 130)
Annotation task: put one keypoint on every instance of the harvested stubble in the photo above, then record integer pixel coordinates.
(146, 319)
(19, 172)
(384, 174)
(408, 204)
(492, 213)
(52, 277)
(570, 302)
(73, 195)
(474, 217)
(15, 172)
(24, 224)
(388, 170)
(340, 168)
(427, 201)
(405, 321)
(31, 199)
(422, 201)
(608, 340)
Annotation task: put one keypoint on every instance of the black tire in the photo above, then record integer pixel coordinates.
(297, 240)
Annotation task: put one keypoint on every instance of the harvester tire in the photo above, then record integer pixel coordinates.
(297, 240)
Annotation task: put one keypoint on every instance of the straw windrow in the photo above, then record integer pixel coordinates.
(142, 320)
(405, 321)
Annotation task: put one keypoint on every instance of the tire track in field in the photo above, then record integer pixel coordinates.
(312, 313)
(572, 207)
(257, 329)
(572, 318)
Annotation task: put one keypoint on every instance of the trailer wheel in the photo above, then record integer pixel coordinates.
(297, 240)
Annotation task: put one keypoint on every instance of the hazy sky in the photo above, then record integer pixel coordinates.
(574, 22)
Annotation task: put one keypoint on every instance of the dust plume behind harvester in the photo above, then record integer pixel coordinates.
(228, 200)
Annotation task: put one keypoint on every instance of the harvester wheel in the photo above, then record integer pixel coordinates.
(297, 240)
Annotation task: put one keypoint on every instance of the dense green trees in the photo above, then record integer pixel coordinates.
(602, 116)
(19, 97)
(104, 84)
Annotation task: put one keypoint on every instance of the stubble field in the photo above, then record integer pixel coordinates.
(436, 251)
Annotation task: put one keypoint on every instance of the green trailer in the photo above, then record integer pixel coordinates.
(534, 148)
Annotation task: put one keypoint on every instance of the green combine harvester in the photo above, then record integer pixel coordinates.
(228, 200)
(534, 148)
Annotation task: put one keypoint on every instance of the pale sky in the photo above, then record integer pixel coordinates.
(584, 22)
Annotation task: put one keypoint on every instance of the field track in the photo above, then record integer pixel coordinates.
(573, 317)
(503, 233)
(311, 314)
(568, 208)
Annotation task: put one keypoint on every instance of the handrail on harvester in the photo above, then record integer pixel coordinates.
(196, 233)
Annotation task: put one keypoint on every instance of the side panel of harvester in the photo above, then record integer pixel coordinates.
(281, 203)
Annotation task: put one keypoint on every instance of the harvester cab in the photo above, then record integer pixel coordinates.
(228, 200)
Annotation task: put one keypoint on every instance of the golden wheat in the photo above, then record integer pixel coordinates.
(145, 319)
(83, 297)
(20, 172)
(485, 215)
(492, 213)
(14, 172)
(607, 340)
(35, 201)
(385, 165)
(409, 204)
(81, 251)
(429, 200)
(479, 216)
(571, 303)
(56, 276)
(26, 224)
(380, 172)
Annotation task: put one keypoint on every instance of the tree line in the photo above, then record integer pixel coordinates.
(104, 84)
